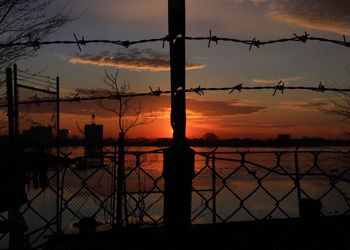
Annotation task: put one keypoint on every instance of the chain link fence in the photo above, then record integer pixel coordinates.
(35, 132)
(243, 186)
(227, 187)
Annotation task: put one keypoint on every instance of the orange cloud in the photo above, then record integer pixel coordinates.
(275, 81)
(132, 59)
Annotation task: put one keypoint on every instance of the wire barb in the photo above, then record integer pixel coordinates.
(198, 90)
(157, 92)
(255, 43)
(165, 39)
(321, 88)
(76, 98)
(212, 38)
(302, 38)
(280, 87)
(34, 43)
(82, 41)
(237, 87)
(126, 44)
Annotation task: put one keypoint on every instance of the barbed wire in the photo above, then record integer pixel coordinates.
(37, 77)
(280, 87)
(36, 43)
(36, 83)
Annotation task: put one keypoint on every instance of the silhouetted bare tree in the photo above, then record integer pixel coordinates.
(341, 106)
(128, 117)
(26, 21)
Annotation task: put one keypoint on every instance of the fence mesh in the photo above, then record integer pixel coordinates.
(35, 143)
(227, 187)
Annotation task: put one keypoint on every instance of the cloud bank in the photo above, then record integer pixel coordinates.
(133, 59)
(326, 15)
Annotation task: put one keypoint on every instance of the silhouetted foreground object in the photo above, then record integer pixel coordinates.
(286, 234)
(178, 158)
(309, 208)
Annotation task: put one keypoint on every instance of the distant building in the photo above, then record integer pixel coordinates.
(38, 135)
(93, 138)
(63, 134)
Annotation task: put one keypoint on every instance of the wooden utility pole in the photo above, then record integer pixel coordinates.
(179, 158)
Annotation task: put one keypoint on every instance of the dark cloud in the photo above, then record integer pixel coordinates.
(327, 15)
(133, 59)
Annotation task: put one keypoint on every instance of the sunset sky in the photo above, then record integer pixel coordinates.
(254, 114)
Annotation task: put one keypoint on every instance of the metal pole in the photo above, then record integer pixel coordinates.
(15, 186)
(114, 158)
(177, 33)
(10, 110)
(15, 93)
(120, 180)
(179, 158)
(58, 214)
(214, 187)
(297, 179)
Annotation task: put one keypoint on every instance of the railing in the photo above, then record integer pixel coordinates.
(227, 186)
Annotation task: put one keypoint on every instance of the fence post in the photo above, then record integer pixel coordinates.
(297, 177)
(15, 94)
(58, 214)
(10, 110)
(179, 158)
(214, 187)
(121, 179)
(114, 176)
(17, 224)
(140, 202)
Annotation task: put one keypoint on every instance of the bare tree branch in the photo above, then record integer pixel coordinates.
(341, 105)
(25, 20)
(123, 106)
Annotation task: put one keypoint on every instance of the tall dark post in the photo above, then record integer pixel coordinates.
(177, 32)
(58, 214)
(120, 178)
(10, 110)
(179, 158)
(16, 188)
(16, 100)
